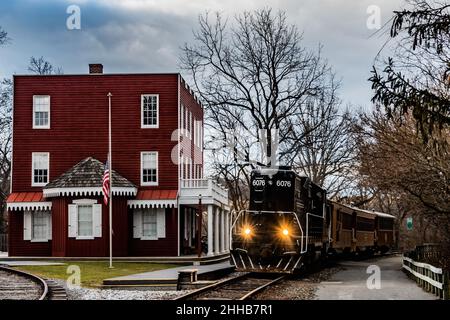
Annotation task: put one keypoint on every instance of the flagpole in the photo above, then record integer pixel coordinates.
(110, 183)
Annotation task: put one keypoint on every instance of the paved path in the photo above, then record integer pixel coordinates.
(351, 283)
(172, 273)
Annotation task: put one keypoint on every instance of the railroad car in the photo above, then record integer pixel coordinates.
(291, 224)
(358, 231)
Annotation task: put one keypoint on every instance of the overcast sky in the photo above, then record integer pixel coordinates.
(145, 35)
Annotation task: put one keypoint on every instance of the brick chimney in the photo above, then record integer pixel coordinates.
(95, 68)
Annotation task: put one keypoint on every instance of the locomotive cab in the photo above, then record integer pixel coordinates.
(284, 226)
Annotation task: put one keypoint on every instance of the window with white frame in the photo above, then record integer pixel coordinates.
(85, 221)
(41, 112)
(191, 125)
(149, 168)
(186, 122)
(182, 117)
(149, 223)
(40, 168)
(37, 225)
(149, 110)
(39, 230)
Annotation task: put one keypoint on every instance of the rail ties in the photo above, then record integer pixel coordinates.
(20, 285)
(242, 287)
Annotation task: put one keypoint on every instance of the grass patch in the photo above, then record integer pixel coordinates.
(93, 272)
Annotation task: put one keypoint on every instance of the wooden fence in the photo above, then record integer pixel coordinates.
(3, 242)
(432, 279)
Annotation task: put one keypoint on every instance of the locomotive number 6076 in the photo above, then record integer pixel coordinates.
(283, 183)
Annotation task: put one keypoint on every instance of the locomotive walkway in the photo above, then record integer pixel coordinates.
(351, 283)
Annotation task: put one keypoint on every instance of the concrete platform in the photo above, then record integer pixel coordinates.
(30, 263)
(182, 260)
(168, 278)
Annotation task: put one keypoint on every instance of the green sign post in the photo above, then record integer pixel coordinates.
(409, 224)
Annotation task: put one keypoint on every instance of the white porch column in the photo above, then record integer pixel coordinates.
(210, 230)
(222, 230)
(216, 230)
(227, 230)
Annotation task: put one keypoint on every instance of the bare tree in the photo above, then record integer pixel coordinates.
(411, 177)
(42, 67)
(5, 142)
(3, 36)
(5, 137)
(322, 144)
(256, 66)
(255, 78)
(393, 156)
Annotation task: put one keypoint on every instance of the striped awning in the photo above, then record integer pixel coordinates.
(155, 199)
(27, 201)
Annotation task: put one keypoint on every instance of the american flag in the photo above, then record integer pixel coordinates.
(106, 183)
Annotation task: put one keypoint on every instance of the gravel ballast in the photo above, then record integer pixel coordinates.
(300, 288)
(80, 293)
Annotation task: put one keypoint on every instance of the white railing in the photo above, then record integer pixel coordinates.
(205, 186)
(430, 278)
(195, 183)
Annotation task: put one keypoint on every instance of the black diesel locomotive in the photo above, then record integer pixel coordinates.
(290, 224)
(285, 226)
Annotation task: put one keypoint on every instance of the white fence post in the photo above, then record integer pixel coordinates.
(430, 278)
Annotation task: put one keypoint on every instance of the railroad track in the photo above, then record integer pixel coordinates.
(20, 285)
(242, 287)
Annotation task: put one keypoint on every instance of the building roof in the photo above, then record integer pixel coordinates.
(87, 173)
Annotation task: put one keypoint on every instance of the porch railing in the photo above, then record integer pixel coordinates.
(210, 187)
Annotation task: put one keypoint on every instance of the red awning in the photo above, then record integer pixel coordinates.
(27, 201)
(25, 197)
(154, 199)
(157, 195)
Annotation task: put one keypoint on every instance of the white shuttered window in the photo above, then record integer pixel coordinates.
(85, 219)
(149, 223)
(37, 226)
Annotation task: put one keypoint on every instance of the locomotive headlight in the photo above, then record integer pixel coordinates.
(284, 232)
(247, 231)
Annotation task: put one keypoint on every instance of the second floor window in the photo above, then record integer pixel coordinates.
(40, 168)
(149, 168)
(149, 110)
(41, 112)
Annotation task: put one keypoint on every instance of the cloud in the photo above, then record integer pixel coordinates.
(145, 35)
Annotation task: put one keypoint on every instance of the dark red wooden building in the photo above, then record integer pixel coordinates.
(60, 146)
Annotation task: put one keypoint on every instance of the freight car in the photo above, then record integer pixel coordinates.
(291, 224)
